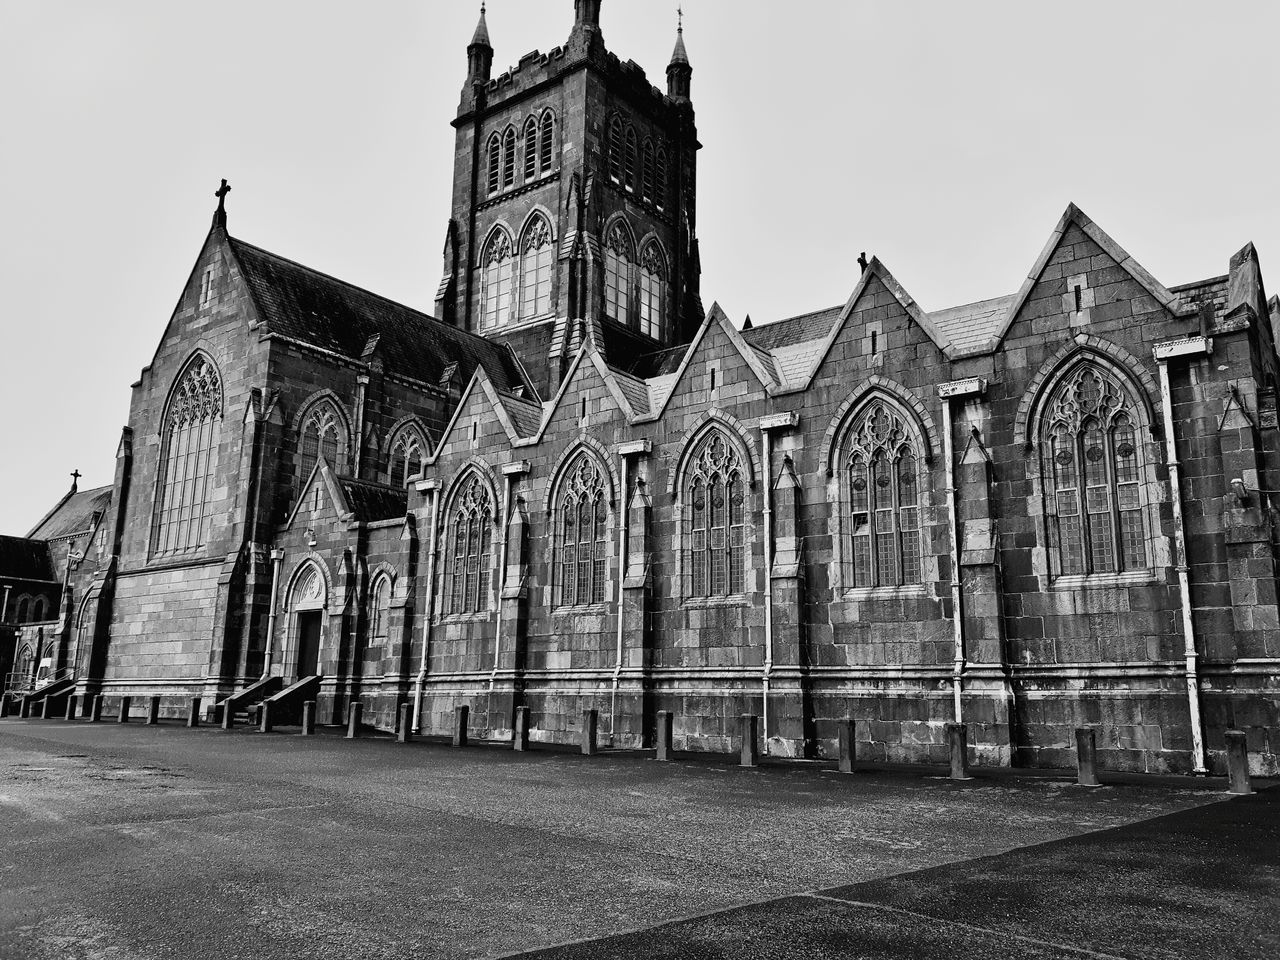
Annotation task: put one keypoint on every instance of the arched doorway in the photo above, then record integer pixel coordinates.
(307, 602)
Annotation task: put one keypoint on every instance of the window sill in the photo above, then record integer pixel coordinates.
(520, 324)
(733, 600)
(466, 617)
(1132, 578)
(581, 608)
(913, 591)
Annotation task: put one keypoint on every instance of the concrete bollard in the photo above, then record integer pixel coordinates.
(4, 705)
(153, 712)
(460, 717)
(1086, 758)
(405, 732)
(95, 710)
(309, 719)
(193, 712)
(749, 740)
(44, 709)
(1238, 763)
(848, 746)
(665, 738)
(264, 717)
(958, 743)
(24, 710)
(126, 703)
(590, 726)
(520, 739)
(355, 710)
(72, 702)
(228, 717)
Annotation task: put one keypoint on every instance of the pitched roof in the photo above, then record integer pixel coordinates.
(312, 307)
(526, 415)
(73, 515)
(785, 333)
(25, 559)
(969, 326)
(371, 502)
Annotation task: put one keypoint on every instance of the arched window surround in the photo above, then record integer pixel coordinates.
(404, 438)
(498, 258)
(537, 267)
(382, 588)
(704, 579)
(470, 543)
(653, 276)
(1118, 491)
(897, 523)
(190, 431)
(619, 255)
(583, 478)
(322, 429)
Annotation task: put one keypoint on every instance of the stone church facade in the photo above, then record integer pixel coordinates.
(573, 487)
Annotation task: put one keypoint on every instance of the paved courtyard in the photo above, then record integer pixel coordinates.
(157, 842)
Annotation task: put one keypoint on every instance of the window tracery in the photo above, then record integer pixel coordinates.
(715, 505)
(537, 263)
(323, 435)
(472, 539)
(618, 254)
(188, 459)
(408, 450)
(653, 286)
(882, 477)
(583, 513)
(1093, 476)
(498, 274)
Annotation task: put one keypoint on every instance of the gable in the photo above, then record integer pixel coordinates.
(479, 422)
(589, 380)
(740, 371)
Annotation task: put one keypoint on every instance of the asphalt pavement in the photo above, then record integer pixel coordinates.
(133, 842)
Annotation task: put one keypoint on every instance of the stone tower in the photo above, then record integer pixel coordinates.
(574, 203)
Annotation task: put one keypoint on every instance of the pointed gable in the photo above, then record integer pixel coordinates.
(487, 415)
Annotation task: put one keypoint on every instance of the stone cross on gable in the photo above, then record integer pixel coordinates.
(221, 194)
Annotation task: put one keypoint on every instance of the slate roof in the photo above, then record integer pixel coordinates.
(371, 502)
(969, 326)
(73, 515)
(312, 307)
(526, 415)
(634, 389)
(24, 559)
(786, 333)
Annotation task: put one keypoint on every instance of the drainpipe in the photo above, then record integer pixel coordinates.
(429, 487)
(972, 386)
(624, 519)
(1164, 352)
(362, 387)
(4, 604)
(277, 557)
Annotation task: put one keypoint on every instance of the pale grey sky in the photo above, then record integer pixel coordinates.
(947, 138)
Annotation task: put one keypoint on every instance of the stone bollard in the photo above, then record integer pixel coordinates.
(748, 740)
(264, 717)
(665, 726)
(95, 710)
(958, 743)
(405, 732)
(44, 709)
(24, 710)
(309, 719)
(72, 702)
(355, 710)
(4, 705)
(228, 717)
(193, 713)
(460, 717)
(1086, 758)
(1238, 763)
(520, 738)
(153, 712)
(590, 725)
(848, 745)
(125, 704)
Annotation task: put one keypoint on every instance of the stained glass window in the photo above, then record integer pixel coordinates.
(189, 446)
(715, 519)
(472, 537)
(883, 477)
(583, 512)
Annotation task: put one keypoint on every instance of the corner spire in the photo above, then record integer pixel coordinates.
(480, 53)
(680, 55)
(481, 39)
(679, 72)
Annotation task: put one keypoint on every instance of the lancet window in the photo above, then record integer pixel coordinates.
(537, 263)
(715, 520)
(189, 445)
(380, 607)
(582, 514)
(618, 255)
(1091, 445)
(498, 265)
(882, 477)
(653, 287)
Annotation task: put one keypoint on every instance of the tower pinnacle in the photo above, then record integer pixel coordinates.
(480, 52)
(679, 71)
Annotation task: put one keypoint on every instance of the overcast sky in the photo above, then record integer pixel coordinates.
(947, 138)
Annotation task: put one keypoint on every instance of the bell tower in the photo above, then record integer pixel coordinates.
(574, 203)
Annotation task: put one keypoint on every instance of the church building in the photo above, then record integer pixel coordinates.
(573, 487)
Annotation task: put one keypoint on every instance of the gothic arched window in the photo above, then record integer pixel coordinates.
(537, 260)
(650, 161)
(509, 157)
(660, 179)
(497, 264)
(408, 450)
(715, 519)
(23, 611)
(582, 517)
(1089, 437)
(189, 444)
(653, 290)
(616, 138)
(530, 149)
(38, 610)
(379, 607)
(471, 536)
(547, 142)
(631, 161)
(618, 254)
(495, 163)
(882, 476)
(323, 435)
